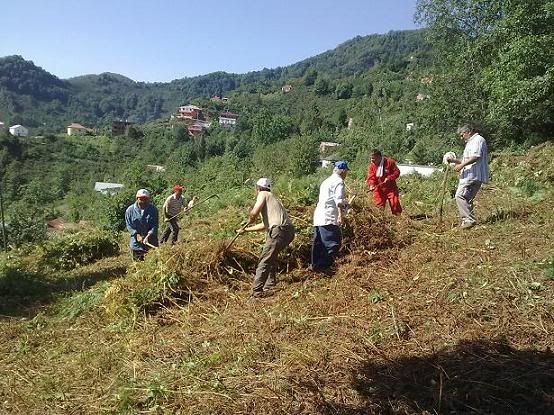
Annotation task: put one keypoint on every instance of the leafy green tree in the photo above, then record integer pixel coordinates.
(322, 86)
(304, 155)
(344, 90)
(180, 132)
(310, 77)
(494, 63)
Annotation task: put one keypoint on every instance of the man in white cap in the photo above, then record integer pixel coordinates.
(141, 219)
(280, 233)
(328, 218)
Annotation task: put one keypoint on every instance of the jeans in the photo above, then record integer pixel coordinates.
(325, 247)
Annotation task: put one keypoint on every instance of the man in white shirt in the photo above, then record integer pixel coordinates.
(474, 171)
(328, 218)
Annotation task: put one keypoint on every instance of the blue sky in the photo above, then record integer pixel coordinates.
(161, 40)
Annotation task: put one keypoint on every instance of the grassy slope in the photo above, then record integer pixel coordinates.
(453, 321)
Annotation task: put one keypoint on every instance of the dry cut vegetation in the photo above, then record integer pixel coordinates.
(420, 318)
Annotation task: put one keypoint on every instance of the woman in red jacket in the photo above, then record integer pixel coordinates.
(381, 180)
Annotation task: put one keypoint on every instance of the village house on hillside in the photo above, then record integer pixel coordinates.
(120, 127)
(194, 117)
(107, 188)
(228, 119)
(327, 153)
(19, 131)
(155, 167)
(76, 128)
(286, 88)
(190, 112)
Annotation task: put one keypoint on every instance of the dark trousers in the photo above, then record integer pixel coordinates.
(171, 228)
(138, 255)
(325, 246)
(278, 238)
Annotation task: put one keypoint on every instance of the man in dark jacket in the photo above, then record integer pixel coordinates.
(381, 180)
(141, 219)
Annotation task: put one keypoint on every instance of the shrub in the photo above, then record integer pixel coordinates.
(82, 248)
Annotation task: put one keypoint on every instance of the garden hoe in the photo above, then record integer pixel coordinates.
(243, 227)
(192, 207)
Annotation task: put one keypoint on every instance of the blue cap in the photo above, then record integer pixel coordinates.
(343, 165)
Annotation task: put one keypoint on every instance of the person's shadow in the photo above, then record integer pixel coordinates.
(475, 377)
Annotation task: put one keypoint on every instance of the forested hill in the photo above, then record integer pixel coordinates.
(31, 96)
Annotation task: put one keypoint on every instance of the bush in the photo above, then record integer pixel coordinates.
(68, 252)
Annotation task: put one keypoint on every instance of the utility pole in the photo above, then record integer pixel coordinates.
(4, 238)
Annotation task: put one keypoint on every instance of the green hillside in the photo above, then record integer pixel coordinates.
(33, 97)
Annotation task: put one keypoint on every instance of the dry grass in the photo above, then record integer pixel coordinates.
(418, 319)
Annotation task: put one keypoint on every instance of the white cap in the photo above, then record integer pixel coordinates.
(264, 182)
(143, 193)
(448, 156)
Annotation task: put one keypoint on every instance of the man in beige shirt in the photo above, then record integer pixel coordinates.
(280, 233)
(173, 205)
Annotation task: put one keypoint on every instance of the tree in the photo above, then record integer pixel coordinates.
(304, 155)
(180, 132)
(310, 77)
(344, 90)
(322, 86)
(495, 63)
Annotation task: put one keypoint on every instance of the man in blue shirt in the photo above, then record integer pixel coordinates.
(474, 171)
(141, 219)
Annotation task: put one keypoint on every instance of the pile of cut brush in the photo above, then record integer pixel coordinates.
(173, 274)
(202, 266)
(369, 229)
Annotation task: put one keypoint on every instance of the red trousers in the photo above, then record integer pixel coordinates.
(380, 198)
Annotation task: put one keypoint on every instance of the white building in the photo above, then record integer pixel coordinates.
(155, 167)
(76, 128)
(410, 126)
(19, 131)
(1, 125)
(228, 119)
(424, 171)
(107, 188)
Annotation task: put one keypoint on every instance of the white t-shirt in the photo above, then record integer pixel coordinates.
(478, 171)
(331, 194)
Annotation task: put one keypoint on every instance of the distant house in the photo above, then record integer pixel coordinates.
(120, 127)
(225, 99)
(195, 129)
(191, 112)
(410, 126)
(215, 98)
(286, 88)
(424, 171)
(427, 80)
(420, 96)
(326, 157)
(329, 161)
(155, 167)
(76, 128)
(19, 131)
(107, 188)
(228, 119)
(326, 146)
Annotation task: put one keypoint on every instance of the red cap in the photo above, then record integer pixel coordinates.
(177, 188)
